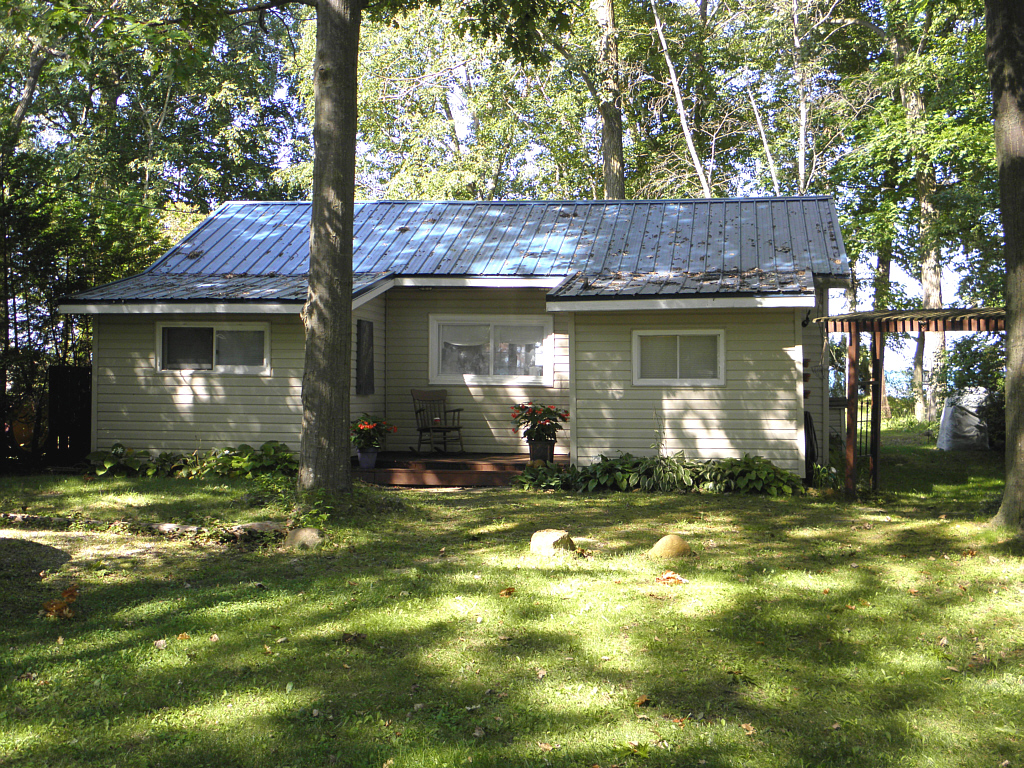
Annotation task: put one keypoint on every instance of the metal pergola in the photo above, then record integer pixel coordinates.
(878, 324)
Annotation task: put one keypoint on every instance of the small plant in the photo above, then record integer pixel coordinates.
(368, 432)
(825, 477)
(314, 509)
(119, 460)
(751, 474)
(538, 422)
(542, 476)
(246, 461)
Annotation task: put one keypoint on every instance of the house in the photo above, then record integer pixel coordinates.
(661, 325)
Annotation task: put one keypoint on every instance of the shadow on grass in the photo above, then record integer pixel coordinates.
(784, 648)
(23, 565)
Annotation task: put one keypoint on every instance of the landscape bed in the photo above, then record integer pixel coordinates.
(804, 631)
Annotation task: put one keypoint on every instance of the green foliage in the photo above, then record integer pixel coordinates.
(664, 474)
(826, 476)
(244, 461)
(117, 461)
(750, 474)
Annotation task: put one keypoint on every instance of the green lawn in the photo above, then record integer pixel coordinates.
(807, 632)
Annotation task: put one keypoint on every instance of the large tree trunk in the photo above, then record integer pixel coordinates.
(324, 456)
(610, 100)
(1004, 21)
(933, 343)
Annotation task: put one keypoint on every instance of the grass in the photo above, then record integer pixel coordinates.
(808, 632)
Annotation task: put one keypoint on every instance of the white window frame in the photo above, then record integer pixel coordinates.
(234, 370)
(716, 381)
(547, 350)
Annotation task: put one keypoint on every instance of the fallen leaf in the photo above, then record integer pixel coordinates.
(671, 577)
(825, 591)
(60, 640)
(184, 636)
(388, 763)
(160, 644)
(541, 674)
(643, 701)
(913, 591)
(748, 728)
(507, 592)
(352, 637)
(479, 732)
(545, 747)
(59, 608)
(281, 640)
(943, 642)
(214, 638)
(836, 726)
(267, 650)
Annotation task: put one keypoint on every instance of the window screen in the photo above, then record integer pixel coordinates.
(517, 350)
(465, 349)
(240, 348)
(683, 357)
(187, 349)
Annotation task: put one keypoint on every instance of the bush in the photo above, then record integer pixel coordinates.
(243, 461)
(664, 474)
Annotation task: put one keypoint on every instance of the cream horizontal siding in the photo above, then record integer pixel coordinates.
(486, 408)
(152, 410)
(758, 410)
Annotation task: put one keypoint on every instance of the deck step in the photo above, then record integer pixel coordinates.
(443, 470)
(443, 478)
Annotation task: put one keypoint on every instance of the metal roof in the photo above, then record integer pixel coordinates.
(259, 251)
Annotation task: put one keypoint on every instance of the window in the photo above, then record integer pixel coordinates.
(679, 358)
(499, 350)
(364, 357)
(228, 348)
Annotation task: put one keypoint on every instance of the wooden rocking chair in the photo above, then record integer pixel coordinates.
(434, 420)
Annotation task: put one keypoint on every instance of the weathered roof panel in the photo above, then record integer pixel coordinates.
(260, 250)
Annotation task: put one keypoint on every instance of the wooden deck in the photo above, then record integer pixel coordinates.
(444, 469)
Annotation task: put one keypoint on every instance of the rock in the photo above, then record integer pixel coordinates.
(263, 526)
(550, 541)
(302, 538)
(262, 531)
(173, 528)
(670, 546)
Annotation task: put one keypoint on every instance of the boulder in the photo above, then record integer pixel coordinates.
(302, 538)
(670, 546)
(551, 541)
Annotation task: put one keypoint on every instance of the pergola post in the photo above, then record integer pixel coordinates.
(852, 351)
(877, 372)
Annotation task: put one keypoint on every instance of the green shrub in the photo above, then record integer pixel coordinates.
(664, 474)
(751, 474)
(243, 461)
(246, 461)
(117, 461)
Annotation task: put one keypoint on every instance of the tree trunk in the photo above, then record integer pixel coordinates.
(1004, 21)
(325, 447)
(931, 286)
(610, 100)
